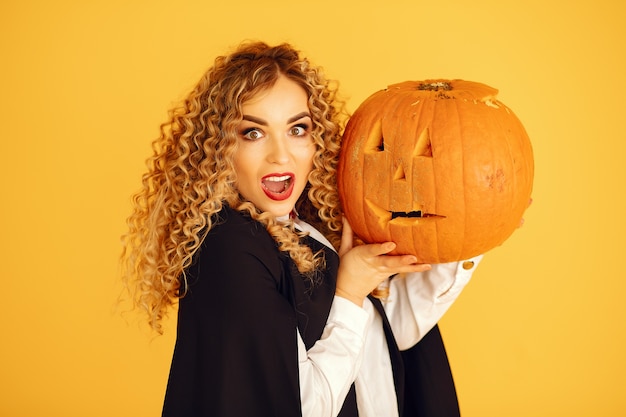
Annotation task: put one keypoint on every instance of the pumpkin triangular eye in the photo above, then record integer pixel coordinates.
(423, 146)
(375, 141)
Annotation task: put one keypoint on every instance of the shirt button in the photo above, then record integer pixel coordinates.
(468, 264)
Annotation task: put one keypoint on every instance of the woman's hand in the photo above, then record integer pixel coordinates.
(362, 268)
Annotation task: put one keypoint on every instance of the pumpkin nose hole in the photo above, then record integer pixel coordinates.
(399, 175)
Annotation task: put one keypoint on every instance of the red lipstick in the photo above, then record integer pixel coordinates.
(278, 187)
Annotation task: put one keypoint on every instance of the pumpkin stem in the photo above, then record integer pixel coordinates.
(440, 85)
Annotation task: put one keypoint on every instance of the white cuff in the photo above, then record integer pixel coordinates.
(417, 301)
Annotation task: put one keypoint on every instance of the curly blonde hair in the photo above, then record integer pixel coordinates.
(191, 176)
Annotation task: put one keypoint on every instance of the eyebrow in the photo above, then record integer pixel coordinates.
(262, 122)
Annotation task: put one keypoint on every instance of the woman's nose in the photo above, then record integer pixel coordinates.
(278, 152)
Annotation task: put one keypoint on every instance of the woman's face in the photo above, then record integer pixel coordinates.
(275, 149)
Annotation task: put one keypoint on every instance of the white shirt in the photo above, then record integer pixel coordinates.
(353, 347)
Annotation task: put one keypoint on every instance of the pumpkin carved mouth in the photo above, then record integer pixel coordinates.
(411, 214)
(401, 217)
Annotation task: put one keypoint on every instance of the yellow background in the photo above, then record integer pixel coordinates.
(540, 331)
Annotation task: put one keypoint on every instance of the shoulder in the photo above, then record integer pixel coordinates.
(238, 272)
(236, 250)
(235, 232)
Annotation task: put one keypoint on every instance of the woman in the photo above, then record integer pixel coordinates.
(239, 223)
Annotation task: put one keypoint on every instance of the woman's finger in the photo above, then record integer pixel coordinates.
(377, 249)
(347, 238)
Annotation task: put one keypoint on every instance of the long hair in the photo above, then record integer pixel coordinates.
(190, 174)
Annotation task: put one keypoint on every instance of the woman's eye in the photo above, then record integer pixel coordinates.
(252, 134)
(298, 130)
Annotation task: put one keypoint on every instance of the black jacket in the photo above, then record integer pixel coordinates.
(236, 347)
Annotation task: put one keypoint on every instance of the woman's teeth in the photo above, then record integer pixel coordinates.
(277, 184)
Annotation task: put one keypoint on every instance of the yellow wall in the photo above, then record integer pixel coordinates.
(540, 331)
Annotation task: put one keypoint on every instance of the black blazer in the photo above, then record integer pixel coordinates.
(236, 346)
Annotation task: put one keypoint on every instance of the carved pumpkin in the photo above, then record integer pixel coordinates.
(440, 167)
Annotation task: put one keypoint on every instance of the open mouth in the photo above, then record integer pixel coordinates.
(278, 187)
(411, 214)
(398, 217)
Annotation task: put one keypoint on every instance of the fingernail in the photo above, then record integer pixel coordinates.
(389, 246)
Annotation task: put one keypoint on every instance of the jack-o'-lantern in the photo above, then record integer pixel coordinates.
(440, 167)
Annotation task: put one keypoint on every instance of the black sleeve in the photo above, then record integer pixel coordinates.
(236, 347)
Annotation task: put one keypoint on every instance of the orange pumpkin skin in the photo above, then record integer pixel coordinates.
(440, 167)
